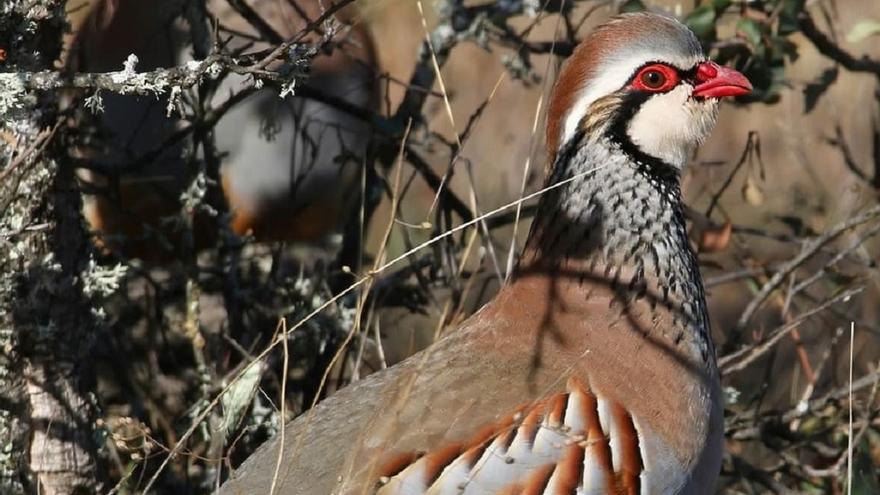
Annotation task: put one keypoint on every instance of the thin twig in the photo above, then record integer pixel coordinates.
(811, 248)
(32, 152)
(753, 142)
(739, 360)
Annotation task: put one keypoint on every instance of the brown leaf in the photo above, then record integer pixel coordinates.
(715, 238)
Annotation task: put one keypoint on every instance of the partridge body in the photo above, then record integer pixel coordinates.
(593, 370)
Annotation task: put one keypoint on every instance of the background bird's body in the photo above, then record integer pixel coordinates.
(288, 167)
(593, 371)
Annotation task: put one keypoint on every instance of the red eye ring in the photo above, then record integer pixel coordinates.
(656, 78)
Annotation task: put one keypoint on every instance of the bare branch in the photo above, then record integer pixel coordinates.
(831, 50)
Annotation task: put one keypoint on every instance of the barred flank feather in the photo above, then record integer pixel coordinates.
(557, 445)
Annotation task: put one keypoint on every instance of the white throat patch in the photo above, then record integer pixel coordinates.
(671, 125)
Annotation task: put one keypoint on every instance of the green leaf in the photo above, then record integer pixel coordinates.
(793, 6)
(751, 29)
(702, 21)
(632, 6)
(788, 17)
(721, 5)
(864, 480)
(863, 30)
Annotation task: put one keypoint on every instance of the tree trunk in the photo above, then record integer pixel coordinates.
(47, 322)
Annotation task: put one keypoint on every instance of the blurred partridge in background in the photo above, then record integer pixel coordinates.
(289, 166)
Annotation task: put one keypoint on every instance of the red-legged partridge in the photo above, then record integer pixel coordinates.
(593, 370)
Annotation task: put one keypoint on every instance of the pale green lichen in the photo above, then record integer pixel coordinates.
(129, 81)
(100, 282)
(193, 198)
(10, 457)
(288, 89)
(214, 70)
(532, 8)
(95, 103)
(103, 281)
(24, 232)
(174, 103)
(13, 96)
(731, 396)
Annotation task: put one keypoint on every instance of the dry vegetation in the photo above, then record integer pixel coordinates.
(205, 341)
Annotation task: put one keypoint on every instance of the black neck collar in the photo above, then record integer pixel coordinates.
(653, 167)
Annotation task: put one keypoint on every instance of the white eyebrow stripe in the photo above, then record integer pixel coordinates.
(613, 75)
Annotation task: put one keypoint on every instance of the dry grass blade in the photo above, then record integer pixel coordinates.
(283, 405)
(395, 202)
(472, 194)
(849, 447)
(511, 254)
(439, 75)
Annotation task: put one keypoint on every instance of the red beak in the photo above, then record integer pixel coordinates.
(716, 81)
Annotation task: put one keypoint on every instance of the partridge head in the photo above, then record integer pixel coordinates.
(592, 371)
(643, 81)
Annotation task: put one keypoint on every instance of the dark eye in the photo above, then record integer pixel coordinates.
(653, 79)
